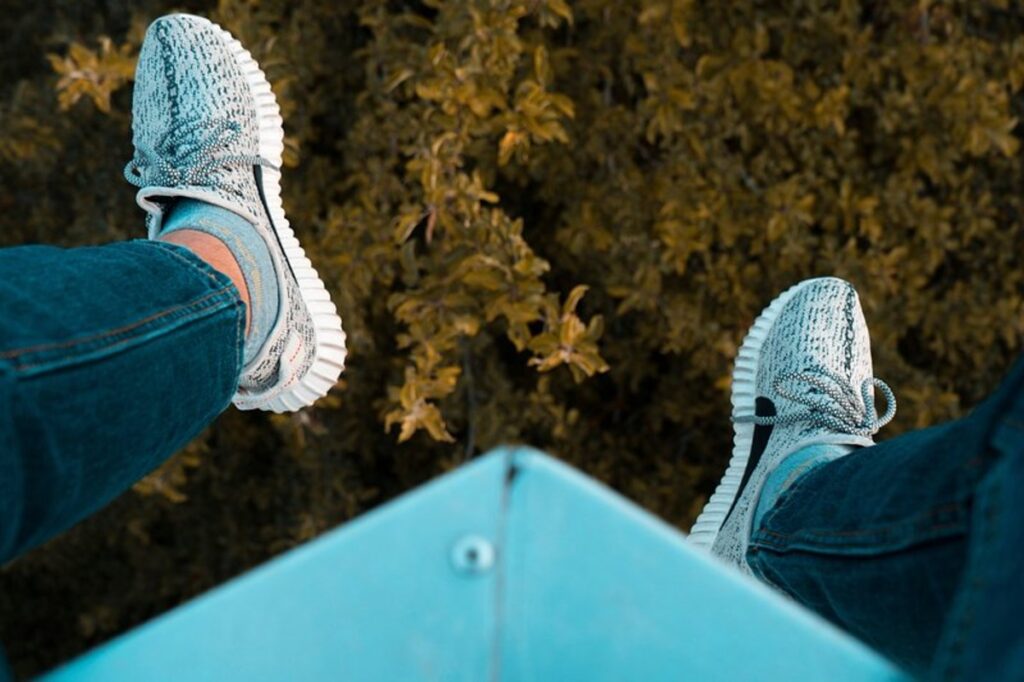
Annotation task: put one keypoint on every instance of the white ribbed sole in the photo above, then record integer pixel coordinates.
(709, 523)
(329, 354)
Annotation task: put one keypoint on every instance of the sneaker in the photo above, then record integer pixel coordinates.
(207, 126)
(803, 377)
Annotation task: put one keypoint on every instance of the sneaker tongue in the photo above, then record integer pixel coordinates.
(155, 201)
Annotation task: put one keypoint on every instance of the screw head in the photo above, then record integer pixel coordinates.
(473, 554)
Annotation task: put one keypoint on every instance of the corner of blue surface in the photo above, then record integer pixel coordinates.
(578, 583)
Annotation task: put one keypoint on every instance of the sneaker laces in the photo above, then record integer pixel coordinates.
(836, 406)
(187, 154)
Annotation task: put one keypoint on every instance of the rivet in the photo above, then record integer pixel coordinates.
(473, 554)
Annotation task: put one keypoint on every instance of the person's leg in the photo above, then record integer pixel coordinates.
(983, 639)
(877, 541)
(111, 358)
(209, 140)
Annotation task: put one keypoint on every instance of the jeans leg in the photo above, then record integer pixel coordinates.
(877, 542)
(111, 359)
(983, 638)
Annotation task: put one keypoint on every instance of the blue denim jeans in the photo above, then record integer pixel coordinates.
(111, 358)
(916, 545)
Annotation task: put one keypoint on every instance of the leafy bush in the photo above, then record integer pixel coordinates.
(543, 222)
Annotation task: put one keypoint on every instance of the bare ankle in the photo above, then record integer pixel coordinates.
(216, 255)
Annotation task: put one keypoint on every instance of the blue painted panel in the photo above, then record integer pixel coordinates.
(544, 575)
(598, 589)
(377, 600)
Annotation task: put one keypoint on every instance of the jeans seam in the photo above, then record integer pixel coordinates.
(186, 256)
(195, 264)
(221, 293)
(192, 261)
(971, 585)
(913, 520)
(16, 352)
(819, 541)
(201, 313)
(239, 338)
(754, 562)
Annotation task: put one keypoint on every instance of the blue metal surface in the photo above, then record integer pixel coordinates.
(514, 567)
(598, 589)
(377, 599)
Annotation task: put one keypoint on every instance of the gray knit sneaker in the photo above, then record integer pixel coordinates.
(803, 377)
(206, 126)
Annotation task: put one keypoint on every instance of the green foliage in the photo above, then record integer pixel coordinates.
(542, 221)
